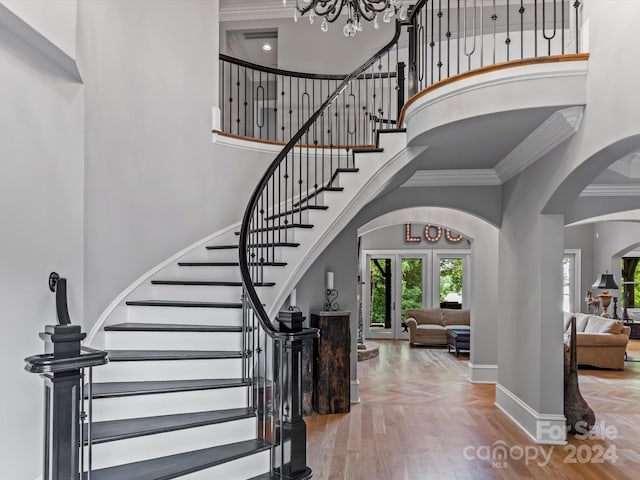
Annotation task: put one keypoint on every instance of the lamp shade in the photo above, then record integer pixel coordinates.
(606, 281)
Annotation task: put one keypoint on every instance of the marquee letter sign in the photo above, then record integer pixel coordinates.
(432, 233)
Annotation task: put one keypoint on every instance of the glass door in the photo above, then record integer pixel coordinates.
(413, 288)
(378, 301)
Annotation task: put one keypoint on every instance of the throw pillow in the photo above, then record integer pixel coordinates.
(431, 316)
(581, 321)
(603, 325)
(455, 317)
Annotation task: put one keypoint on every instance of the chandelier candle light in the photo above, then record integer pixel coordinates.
(356, 11)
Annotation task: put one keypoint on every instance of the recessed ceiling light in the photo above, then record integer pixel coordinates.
(266, 47)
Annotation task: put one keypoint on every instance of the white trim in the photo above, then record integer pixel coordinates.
(354, 391)
(451, 178)
(97, 327)
(255, 10)
(556, 129)
(611, 190)
(545, 429)
(483, 373)
(39, 43)
(215, 121)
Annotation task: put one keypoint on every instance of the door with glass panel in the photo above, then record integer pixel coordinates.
(451, 280)
(378, 300)
(413, 288)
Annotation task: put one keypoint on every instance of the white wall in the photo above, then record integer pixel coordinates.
(393, 237)
(41, 218)
(153, 182)
(305, 48)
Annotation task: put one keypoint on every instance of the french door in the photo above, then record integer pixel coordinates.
(396, 281)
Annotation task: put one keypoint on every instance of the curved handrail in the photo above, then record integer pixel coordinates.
(278, 71)
(247, 282)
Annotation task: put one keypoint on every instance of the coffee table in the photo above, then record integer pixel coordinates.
(458, 339)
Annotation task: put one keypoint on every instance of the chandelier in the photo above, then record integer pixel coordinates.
(356, 10)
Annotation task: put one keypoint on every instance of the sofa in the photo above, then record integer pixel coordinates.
(429, 326)
(601, 342)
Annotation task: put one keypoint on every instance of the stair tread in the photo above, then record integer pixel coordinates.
(143, 355)
(228, 264)
(113, 430)
(173, 466)
(277, 244)
(207, 283)
(123, 389)
(297, 210)
(169, 327)
(368, 150)
(283, 227)
(182, 303)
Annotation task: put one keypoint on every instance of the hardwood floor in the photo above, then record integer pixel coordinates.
(420, 418)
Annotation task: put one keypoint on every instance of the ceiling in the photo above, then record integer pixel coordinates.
(249, 45)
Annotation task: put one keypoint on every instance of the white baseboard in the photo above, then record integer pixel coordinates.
(355, 391)
(215, 120)
(483, 373)
(545, 429)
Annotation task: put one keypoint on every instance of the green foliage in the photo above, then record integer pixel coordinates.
(411, 284)
(636, 290)
(450, 277)
(378, 288)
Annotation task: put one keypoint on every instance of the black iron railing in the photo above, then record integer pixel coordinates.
(450, 37)
(273, 104)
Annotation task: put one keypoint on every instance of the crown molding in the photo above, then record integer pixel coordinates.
(556, 129)
(611, 190)
(453, 178)
(233, 11)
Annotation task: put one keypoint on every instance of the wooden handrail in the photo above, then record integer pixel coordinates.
(339, 146)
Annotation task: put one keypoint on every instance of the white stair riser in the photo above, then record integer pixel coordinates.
(169, 443)
(167, 403)
(174, 340)
(223, 255)
(185, 315)
(197, 293)
(231, 274)
(168, 370)
(245, 467)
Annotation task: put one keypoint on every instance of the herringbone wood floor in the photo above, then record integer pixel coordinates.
(419, 416)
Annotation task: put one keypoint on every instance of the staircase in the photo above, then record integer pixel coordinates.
(175, 399)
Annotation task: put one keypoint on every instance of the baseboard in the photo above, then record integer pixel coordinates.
(355, 391)
(483, 373)
(545, 429)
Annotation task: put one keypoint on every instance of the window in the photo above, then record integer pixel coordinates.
(571, 281)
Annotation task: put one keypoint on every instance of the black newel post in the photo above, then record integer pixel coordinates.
(293, 429)
(61, 368)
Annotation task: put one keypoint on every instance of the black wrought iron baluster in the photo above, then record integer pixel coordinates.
(535, 28)
(448, 38)
(272, 221)
(237, 102)
(458, 45)
(549, 38)
(576, 6)
(432, 43)
(389, 96)
(521, 11)
(280, 202)
(230, 98)
(481, 33)
(246, 103)
(469, 53)
(439, 64)
(260, 105)
(282, 108)
(508, 39)
(494, 18)
(562, 27)
(381, 108)
(222, 98)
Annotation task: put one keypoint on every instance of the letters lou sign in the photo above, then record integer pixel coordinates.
(432, 233)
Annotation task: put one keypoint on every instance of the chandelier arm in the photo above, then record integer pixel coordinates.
(368, 9)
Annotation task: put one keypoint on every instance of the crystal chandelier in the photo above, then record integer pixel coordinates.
(357, 10)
